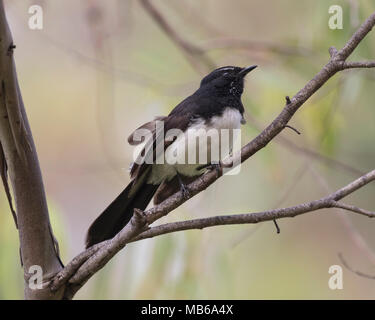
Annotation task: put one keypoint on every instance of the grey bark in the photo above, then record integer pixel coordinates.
(19, 155)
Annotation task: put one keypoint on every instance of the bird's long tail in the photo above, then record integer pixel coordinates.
(137, 194)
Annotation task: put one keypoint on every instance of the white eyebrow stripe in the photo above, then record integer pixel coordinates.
(226, 68)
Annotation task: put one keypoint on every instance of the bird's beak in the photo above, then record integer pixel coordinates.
(245, 71)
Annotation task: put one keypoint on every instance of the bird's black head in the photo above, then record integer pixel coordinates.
(226, 80)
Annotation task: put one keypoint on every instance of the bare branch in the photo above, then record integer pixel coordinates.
(138, 225)
(73, 266)
(332, 51)
(287, 192)
(270, 132)
(351, 230)
(104, 253)
(349, 207)
(356, 38)
(359, 64)
(256, 217)
(100, 254)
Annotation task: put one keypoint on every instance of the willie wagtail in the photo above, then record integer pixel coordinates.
(215, 105)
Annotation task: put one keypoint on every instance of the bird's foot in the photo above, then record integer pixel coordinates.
(185, 191)
(211, 167)
(217, 167)
(183, 188)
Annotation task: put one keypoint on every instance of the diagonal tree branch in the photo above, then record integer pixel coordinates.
(93, 259)
(354, 234)
(329, 201)
(77, 273)
(227, 42)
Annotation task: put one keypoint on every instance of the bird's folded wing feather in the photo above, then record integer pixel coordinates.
(158, 136)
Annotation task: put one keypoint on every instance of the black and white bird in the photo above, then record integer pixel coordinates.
(215, 105)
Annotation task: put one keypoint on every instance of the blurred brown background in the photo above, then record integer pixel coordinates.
(98, 69)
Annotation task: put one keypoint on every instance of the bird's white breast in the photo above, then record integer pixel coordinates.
(186, 143)
(230, 119)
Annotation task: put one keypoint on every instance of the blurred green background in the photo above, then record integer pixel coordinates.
(99, 69)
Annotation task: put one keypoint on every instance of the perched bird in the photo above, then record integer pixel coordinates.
(215, 105)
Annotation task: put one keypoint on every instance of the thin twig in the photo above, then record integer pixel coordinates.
(294, 129)
(276, 225)
(359, 64)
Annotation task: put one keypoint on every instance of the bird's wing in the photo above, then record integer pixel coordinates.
(150, 150)
(150, 126)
